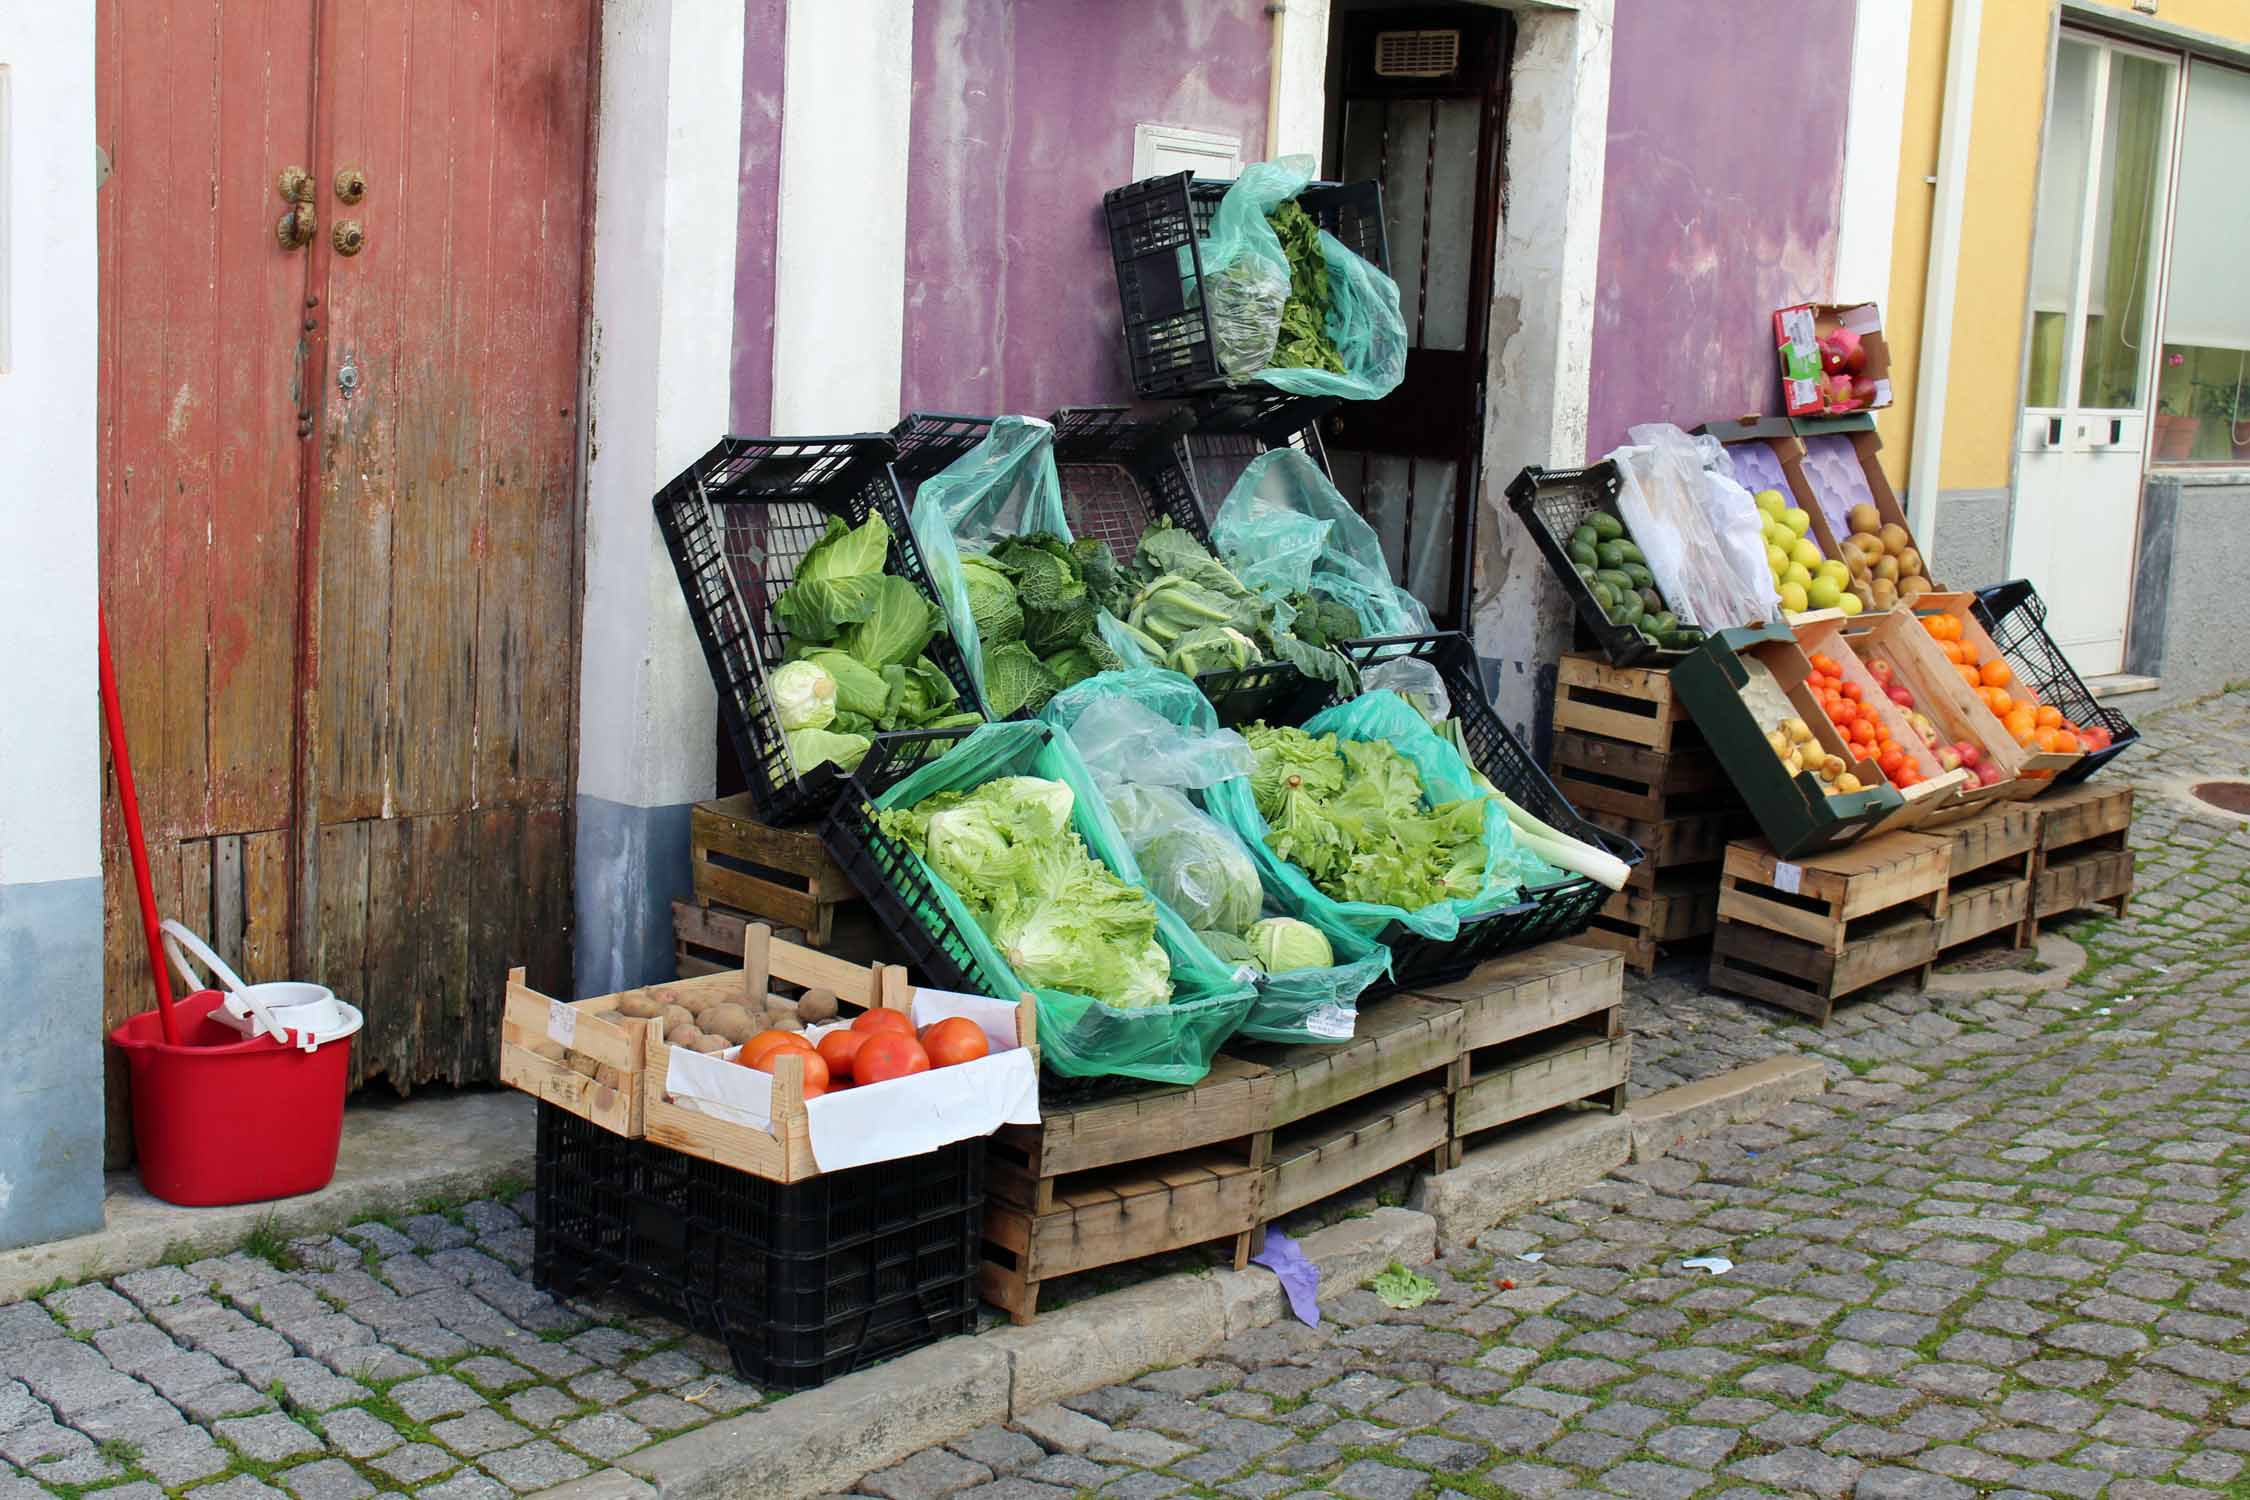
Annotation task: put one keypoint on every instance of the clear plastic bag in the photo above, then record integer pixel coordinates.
(1080, 1036)
(1739, 526)
(1153, 742)
(1247, 285)
(1660, 500)
(1284, 527)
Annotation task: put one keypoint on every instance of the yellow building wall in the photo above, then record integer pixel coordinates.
(1984, 373)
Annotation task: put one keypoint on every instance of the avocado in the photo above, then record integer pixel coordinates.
(1584, 571)
(1604, 595)
(1641, 576)
(1606, 526)
(1585, 553)
(1666, 622)
(1584, 534)
(1652, 601)
(1631, 551)
(1616, 579)
(1612, 554)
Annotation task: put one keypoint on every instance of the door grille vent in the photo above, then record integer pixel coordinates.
(1417, 54)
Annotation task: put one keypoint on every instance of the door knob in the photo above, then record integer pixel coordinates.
(349, 238)
(351, 185)
(296, 227)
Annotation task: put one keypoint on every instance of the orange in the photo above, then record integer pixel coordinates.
(2047, 718)
(1969, 676)
(1852, 691)
(2020, 722)
(2067, 741)
(2046, 739)
(1997, 673)
(1821, 663)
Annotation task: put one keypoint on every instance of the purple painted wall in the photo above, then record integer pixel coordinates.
(1023, 117)
(1719, 203)
(759, 199)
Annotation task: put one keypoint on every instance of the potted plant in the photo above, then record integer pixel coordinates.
(2175, 430)
(2227, 408)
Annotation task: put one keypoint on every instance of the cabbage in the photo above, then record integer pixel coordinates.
(804, 696)
(1230, 947)
(1284, 943)
(1202, 872)
(860, 690)
(810, 749)
(898, 624)
(836, 580)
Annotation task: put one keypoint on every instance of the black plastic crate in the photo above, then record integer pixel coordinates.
(1156, 229)
(1233, 429)
(2015, 617)
(737, 522)
(802, 1282)
(886, 872)
(1552, 503)
(1558, 911)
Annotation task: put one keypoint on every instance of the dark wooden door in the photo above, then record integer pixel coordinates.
(338, 480)
(1422, 110)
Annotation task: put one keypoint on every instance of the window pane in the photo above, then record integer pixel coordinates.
(2203, 387)
(2062, 196)
(2125, 224)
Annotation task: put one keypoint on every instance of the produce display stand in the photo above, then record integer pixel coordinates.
(1553, 503)
(1899, 639)
(749, 869)
(1943, 794)
(1627, 755)
(1136, 1174)
(2083, 857)
(1988, 874)
(1811, 930)
(2014, 618)
(1540, 1029)
(1156, 228)
(737, 522)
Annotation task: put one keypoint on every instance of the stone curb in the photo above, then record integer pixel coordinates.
(2062, 957)
(393, 1158)
(1663, 1122)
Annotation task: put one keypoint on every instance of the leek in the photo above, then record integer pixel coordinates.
(1564, 852)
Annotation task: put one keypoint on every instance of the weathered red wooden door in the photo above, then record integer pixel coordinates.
(340, 549)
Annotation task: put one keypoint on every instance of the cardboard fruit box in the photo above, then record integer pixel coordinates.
(1896, 637)
(1839, 465)
(1794, 811)
(1807, 388)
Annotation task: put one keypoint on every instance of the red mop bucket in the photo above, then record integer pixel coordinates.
(220, 1119)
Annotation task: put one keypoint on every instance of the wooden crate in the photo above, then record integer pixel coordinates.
(1342, 1114)
(708, 939)
(582, 1057)
(783, 876)
(1633, 781)
(1128, 1176)
(1539, 1028)
(1806, 933)
(1632, 704)
(1680, 905)
(1988, 875)
(2082, 857)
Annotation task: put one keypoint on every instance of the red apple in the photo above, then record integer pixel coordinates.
(1842, 352)
(1879, 669)
(1863, 389)
(1968, 752)
(1838, 390)
(2095, 737)
(1949, 757)
(1899, 695)
(1989, 774)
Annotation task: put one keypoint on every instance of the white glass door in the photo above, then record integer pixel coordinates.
(2103, 199)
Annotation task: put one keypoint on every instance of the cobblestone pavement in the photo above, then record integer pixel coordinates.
(2006, 1252)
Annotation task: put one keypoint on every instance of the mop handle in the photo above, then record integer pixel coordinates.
(129, 806)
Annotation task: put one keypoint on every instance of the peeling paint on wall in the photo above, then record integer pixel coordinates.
(764, 29)
(1023, 117)
(1720, 203)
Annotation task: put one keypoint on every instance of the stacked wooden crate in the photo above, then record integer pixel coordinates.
(1627, 756)
(1988, 873)
(2081, 858)
(1540, 1029)
(747, 871)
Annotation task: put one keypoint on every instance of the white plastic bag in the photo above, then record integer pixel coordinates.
(1737, 523)
(1661, 503)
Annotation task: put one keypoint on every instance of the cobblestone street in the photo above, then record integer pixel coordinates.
(2008, 1251)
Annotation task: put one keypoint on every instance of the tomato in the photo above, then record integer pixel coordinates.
(884, 1020)
(1851, 690)
(816, 1071)
(755, 1051)
(888, 1056)
(1825, 664)
(836, 1050)
(956, 1039)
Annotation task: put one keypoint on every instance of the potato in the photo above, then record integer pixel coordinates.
(1865, 517)
(694, 1002)
(782, 1018)
(683, 1034)
(641, 1007)
(677, 1015)
(713, 1044)
(1895, 539)
(730, 1021)
(817, 1005)
(1910, 564)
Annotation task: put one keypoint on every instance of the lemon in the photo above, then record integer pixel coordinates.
(1831, 568)
(1778, 535)
(1796, 573)
(1793, 596)
(1849, 603)
(1796, 520)
(1777, 558)
(1770, 502)
(1823, 593)
(1806, 552)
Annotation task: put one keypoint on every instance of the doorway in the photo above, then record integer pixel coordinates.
(2086, 428)
(342, 254)
(1419, 103)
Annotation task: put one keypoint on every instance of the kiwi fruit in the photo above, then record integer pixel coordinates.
(1865, 517)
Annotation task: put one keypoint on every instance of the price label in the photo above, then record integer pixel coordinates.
(562, 1024)
(1788, 877)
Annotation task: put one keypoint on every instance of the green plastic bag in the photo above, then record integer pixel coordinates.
(1005, 486)
(1153, 730)
(1080, 1037)
(1446, 777)
(1284, 526)
(1246, 285)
